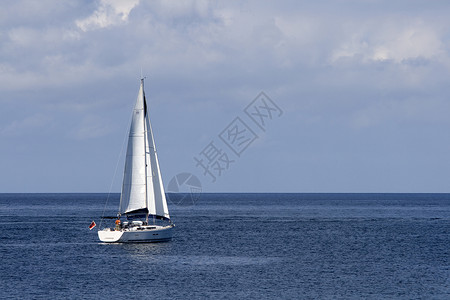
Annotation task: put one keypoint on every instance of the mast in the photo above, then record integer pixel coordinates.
(145, 148)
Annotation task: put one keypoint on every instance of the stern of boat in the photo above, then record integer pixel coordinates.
(109, 236)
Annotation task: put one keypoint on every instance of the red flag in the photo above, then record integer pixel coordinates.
(92, 225)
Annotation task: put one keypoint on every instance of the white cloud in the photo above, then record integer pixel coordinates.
(398, 40)
(108, 13)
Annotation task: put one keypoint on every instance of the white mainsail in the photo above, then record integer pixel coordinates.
(142, 189)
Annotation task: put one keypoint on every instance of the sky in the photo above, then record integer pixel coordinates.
(247, 96)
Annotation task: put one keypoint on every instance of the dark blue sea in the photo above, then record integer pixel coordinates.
(232, 246)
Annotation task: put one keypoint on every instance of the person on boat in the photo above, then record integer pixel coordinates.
(118, 225)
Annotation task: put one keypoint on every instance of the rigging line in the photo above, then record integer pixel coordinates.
(115, 172)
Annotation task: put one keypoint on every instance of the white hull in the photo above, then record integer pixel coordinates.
(146, 234)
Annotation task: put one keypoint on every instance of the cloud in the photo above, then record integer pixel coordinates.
(108, 13)
(25, 126)
(335, 66)
(91, 127)
(394, 40)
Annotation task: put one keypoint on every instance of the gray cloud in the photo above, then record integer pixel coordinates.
(349, 75)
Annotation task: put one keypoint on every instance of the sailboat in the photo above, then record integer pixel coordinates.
(142, 200)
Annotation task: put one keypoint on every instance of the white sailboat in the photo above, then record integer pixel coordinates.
(142, 201)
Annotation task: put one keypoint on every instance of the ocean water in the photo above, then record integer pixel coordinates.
(232, 246)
